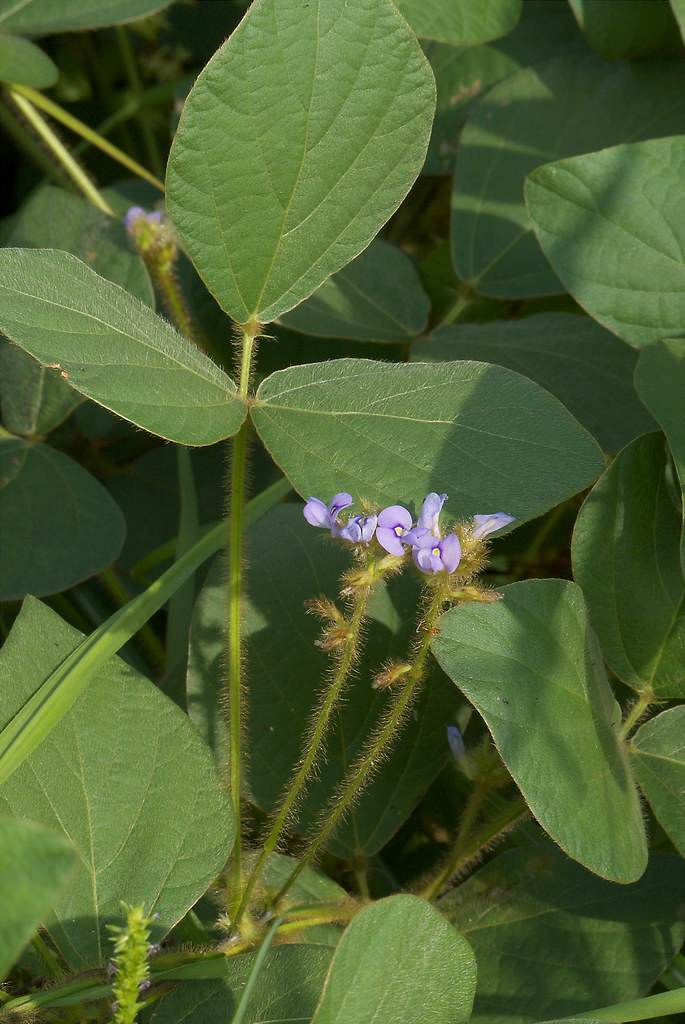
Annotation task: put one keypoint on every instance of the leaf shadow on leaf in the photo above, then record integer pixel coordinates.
(510, 447)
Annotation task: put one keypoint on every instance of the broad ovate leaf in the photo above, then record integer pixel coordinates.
(587, 368)
(532, 667)
(657, 754)
(489, 438)
(299, 139)
(626, 559)
(461, 22)
(58, 524)
(376, 297)
(559, 108)
(114, 349)
(533, 907)
(660, 383)
(612, 224)
(23, 62)
(124, 776)
(387, 947)
(40, 17)
(35, 865)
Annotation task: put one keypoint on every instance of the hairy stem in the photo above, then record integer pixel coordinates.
(236, 528)
(636, 712)
(376, 745)
(314, 743)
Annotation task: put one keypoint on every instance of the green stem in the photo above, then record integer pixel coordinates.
(374, 748)
(137, 91)
(47, 956)
(174, 299)
(648, 1008)
(236, 528)
(467, 847)
(313, 744)
(471, 811)
(46, 133)
(37, 99)
(11, 125)
(636, 712)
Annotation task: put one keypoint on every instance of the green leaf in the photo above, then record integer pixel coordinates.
(40, 17)
(376, 297)
(660, 383)
(23, 62)
(625, 557)
(35, 400)
(288, 670)
(533, 669)
(58, 525)
(629, 28)
(657, 753)
(612, 226)
(113, 348)
(392, 433)
(29, 727)
(55, 219)
(385, 951)
(126, 778)
(461, 22)
(569, 105)
(532, 908)
(464, 73)
(299, 139)
(588, 369)
(678, 8)
(35, 866)
(286, 992)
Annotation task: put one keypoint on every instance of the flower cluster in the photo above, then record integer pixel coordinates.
(396, 531)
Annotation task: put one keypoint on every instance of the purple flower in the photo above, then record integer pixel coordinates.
(456, 742)
(430, 513)
(432, 554)
(488, 524)
(359, 528)
(137, 213)
(318, 514)
(393, 523)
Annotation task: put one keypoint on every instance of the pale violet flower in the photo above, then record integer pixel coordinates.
(430, 513)
(393, 523)
(431, 554)
(359, 529)
(326, 516)
(486, 525)
(456, 742)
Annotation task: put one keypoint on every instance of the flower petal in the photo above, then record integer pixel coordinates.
(315, 512)
(430, 512)
(488, 524)
(450, 552)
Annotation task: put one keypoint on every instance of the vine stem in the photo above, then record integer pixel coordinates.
(376, 745)
(313, 746)
(61, 152)
(37, 99)
(236, 528)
